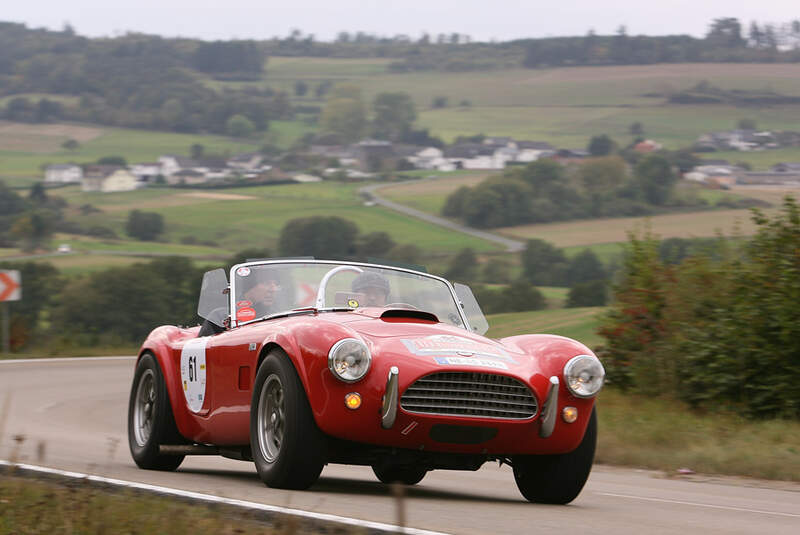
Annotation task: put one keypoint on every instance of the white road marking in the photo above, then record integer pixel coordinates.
(695, 504)
(227, 501)
(62, 359)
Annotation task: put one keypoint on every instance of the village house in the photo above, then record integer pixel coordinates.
(63, 173)
(108, 179)
(250, 161)
(530, 151)
(146, 173)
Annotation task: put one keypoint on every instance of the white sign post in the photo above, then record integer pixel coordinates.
(10, 290)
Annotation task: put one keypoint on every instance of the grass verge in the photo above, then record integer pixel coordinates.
(34, 506)
(666, 435)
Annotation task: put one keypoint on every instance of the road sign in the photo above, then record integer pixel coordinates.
(10, 285)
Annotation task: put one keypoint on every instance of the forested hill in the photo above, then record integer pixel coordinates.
(147, 81)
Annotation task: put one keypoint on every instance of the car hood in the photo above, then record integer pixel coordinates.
(437, 342)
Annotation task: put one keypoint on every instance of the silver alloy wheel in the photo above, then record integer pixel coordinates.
(143, 412)
(271, 418)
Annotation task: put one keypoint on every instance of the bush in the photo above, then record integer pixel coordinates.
(587, 294)
(717, 329)
(145, 226)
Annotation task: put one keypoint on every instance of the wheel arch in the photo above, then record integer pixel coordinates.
(171, 373)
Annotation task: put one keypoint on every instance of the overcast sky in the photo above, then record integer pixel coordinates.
(481, 19)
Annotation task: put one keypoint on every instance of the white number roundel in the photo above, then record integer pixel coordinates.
(193, 372)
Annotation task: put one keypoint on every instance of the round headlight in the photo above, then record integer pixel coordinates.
(349, 360)
(584, 376)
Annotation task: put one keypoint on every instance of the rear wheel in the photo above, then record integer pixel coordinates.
(557, 478)
(288, 449)
(399, 474)
(150, 419)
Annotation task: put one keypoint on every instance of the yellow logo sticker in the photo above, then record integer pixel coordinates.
(352, 303)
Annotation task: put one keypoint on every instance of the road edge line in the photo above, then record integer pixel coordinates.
(322, 518)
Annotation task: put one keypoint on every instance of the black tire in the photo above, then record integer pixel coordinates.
(398, 474)
(151, 422)
(557, 479)
(288, 449)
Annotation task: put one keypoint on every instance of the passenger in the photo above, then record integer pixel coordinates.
(375, 288)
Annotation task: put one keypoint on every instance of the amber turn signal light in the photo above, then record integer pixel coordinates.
(569, 414)
(352, 400)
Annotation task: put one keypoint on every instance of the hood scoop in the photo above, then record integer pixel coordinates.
(399, 314)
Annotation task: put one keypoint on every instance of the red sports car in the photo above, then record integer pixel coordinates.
(302, 362)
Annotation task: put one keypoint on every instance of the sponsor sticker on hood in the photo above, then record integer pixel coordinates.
(448, 344)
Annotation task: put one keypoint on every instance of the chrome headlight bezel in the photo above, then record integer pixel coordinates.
(337, 359)
(578, 384)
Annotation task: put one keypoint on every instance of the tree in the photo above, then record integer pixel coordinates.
(319, 236)
(463, 267)
(240, 126)
(636, 129)
(394, 113)
(585, 267)
(300, 88)
(746, 124)
(587, 294)
(344, 113)
(112, 160)
(543, 264)
(725, 32)
(375, 245)
(497, 271)
(145, 226)
(602, 175)
(439, 102)
(655, 179)
(601, 145)
(70, 145)
(197, 151)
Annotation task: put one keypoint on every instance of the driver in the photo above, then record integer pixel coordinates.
(260, 293)
(375, 288)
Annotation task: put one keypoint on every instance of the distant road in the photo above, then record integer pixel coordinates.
(371, 192)
(71, 414)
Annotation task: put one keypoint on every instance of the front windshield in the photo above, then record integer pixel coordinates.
(265, 289)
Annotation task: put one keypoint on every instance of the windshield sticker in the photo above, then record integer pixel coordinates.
(469, 361)
(352, 303)
(445, 344)
(246, 314)
(243, 271)
(243, 304)
(193, 372)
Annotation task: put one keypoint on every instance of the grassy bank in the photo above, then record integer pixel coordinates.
(665, 434)
(34, 506)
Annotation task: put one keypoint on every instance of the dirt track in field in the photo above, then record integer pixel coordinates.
(42, 137)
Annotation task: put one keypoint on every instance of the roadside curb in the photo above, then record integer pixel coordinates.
(309, 522)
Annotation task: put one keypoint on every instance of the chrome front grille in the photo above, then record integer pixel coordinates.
(470, 394)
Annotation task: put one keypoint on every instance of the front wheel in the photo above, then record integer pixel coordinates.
(150, 419)
(398, 474)
(557, 479)
(288, 449)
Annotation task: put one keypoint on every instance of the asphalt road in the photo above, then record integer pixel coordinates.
(71, 414)
(372, 190)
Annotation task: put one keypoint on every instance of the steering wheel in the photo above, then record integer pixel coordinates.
(323, 284)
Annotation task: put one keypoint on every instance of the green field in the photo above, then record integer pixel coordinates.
(578, 323)
(565, 106)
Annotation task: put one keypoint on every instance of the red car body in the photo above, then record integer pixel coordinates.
(232, 364)
(390, 385)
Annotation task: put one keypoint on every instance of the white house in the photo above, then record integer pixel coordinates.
(146, 172)
(247, 162)
(108, 179)
(63, 173)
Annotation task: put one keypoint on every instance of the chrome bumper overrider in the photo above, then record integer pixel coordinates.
(390, 396)
(550, 409)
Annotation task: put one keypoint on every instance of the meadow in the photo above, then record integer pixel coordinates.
(564, 106)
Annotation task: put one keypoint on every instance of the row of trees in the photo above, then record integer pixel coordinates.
(718, 327)
(545, 190)
(724, 42)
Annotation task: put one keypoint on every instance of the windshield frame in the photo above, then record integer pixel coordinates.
(232, 281)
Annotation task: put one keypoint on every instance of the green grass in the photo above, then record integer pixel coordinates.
(38, 506)
(556, 297)
(577, 323)
(133, 145)
(665, 434)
